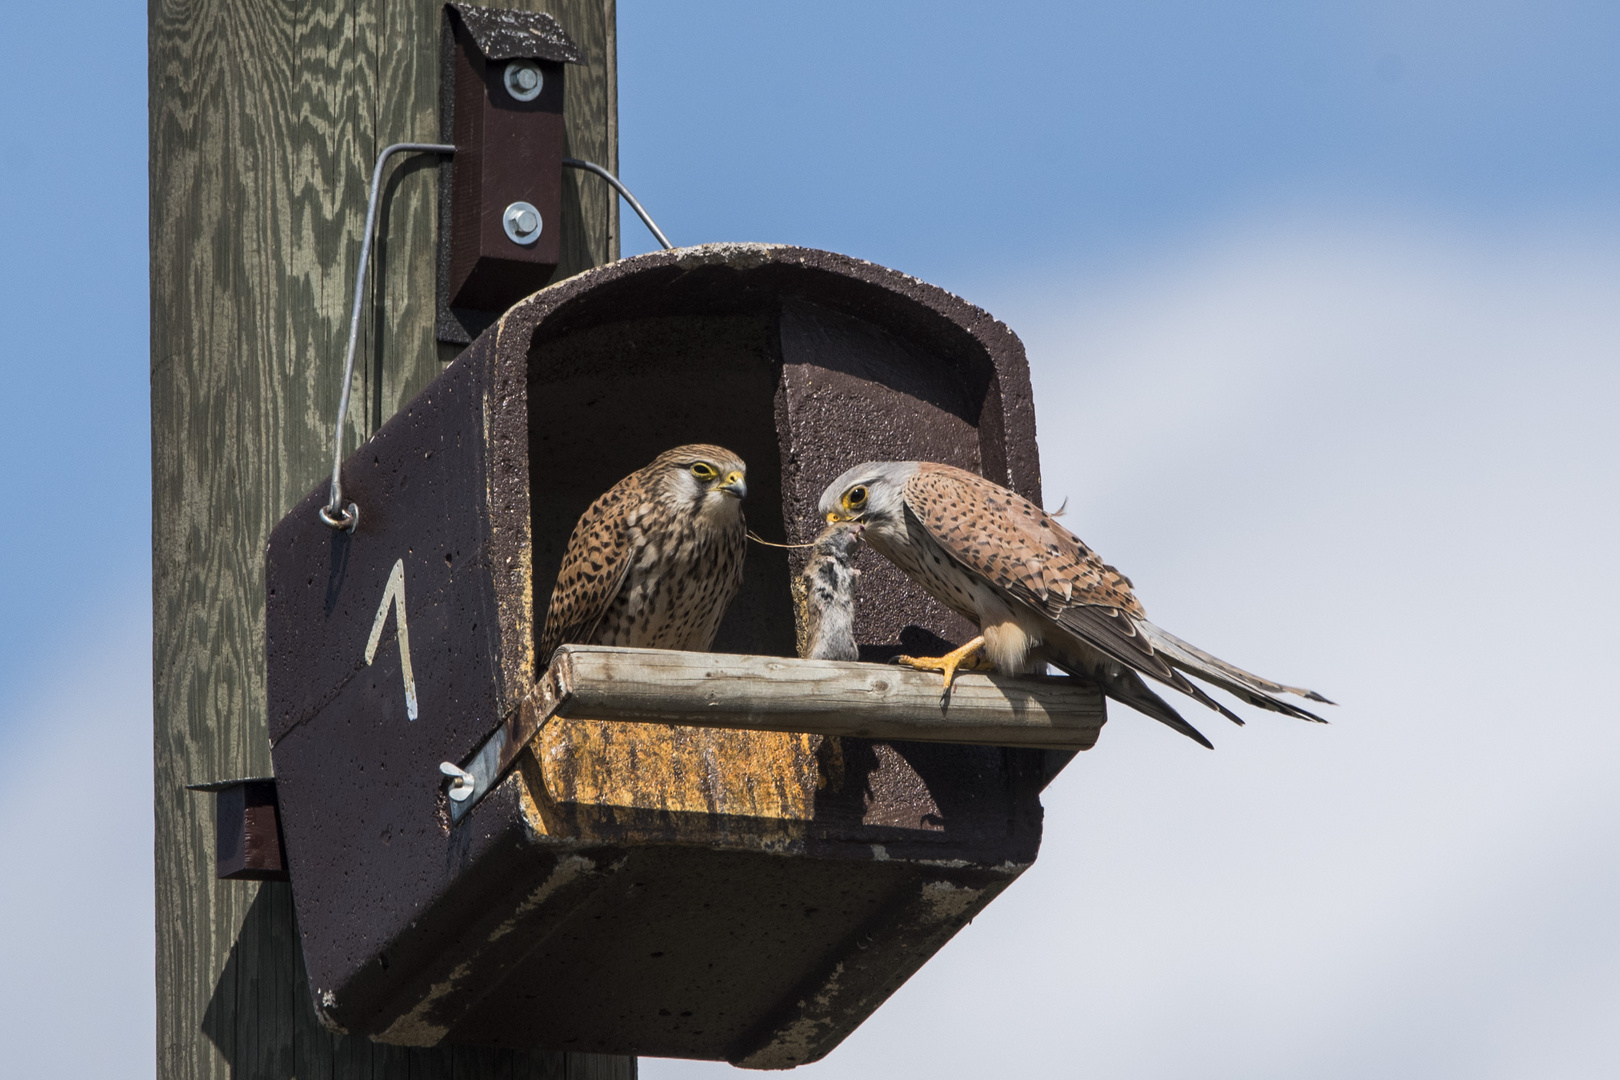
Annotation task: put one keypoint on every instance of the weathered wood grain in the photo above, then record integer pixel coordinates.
(265, 118)
(590, 210)
(819, 697)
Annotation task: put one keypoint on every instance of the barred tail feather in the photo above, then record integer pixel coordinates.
(1119, 637)
(1126, 686)
(1243, 685)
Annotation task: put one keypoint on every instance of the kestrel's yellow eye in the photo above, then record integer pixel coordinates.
(704, 471)
(855, 498)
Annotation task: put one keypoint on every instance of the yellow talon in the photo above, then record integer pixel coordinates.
(947, 664)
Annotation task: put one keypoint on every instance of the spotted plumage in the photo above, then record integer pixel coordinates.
(654, 562)
(1037, 594)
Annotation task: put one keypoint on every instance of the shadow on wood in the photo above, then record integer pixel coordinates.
(261, 1021)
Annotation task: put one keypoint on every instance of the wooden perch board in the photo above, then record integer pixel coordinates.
(821, 697)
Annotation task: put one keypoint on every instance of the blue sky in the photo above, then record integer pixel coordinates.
(963, 140)
(74, 458)
(1321, 308)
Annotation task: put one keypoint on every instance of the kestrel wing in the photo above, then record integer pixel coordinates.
(593, 570)
(1022, 550)
(1012, 542)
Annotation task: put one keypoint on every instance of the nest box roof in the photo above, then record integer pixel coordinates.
(517, 35)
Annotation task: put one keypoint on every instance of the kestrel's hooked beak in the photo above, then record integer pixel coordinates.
(734, 484)
(835, 517)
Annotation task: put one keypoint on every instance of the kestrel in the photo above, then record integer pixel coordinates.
(1037, 594)
(655, 562)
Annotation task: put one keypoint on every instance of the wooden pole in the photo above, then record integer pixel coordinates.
(265, 120)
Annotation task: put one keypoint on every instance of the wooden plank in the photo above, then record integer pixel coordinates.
(820, 697)
(247, 829)
(265, 119)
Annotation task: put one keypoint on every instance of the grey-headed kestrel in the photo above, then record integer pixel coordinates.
(1037, 594)
(654, 562)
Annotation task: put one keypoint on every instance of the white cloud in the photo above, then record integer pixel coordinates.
(76, 936)
(1384, 464)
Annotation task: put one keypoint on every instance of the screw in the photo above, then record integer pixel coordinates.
(522, 222)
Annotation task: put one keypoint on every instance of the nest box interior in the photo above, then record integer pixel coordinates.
(635, 888)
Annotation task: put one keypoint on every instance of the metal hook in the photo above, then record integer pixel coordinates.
(335, 513)
(646, 219)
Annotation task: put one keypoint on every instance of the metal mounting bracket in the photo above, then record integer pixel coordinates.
(500, 199)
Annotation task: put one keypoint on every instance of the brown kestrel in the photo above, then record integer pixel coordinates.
(655, 562)
(1037, 594)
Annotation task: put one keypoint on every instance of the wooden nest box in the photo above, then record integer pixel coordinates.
(742, 894)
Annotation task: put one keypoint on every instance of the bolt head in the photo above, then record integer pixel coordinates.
(522, 223)
(523, 80)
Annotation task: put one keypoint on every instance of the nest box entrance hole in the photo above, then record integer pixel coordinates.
(794, 387)
(606, 400)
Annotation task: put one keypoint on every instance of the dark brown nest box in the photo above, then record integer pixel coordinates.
(637, 888)
(500, 212)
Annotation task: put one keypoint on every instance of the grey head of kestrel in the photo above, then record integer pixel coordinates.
(657, 559)
(1036, 592)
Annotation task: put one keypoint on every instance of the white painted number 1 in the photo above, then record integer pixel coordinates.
(395, 594)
